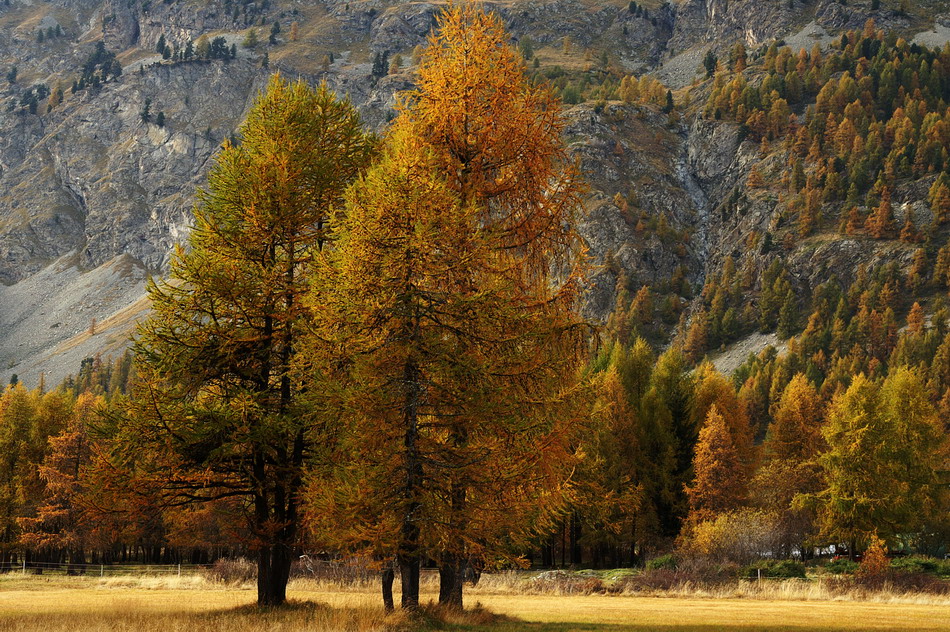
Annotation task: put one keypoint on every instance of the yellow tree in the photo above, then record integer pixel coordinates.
(885, 448)
(216, 409)
(719, 483)
(60, 523)
(497, 137)
(712, 389)
(791, 446)
(456, 379)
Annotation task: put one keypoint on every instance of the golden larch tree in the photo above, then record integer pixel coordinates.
(719, 482)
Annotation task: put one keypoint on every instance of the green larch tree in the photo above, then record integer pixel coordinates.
(885, 447)
(216, 412)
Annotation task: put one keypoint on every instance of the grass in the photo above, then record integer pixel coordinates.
(173, 604)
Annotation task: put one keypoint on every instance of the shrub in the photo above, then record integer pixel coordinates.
(567, 583)
(842, 567)
(687, 572)
(738, 537)
(919, 583)
(774, 568)
(920, 564)
(667, 561)
(342, 571)
(875, 562)
(233, 571)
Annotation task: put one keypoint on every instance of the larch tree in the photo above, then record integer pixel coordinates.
(60, 522)
(719, 483)
(456, 381)
(793, 443)
(216, 407)
(885, 448)
(26, 421)
(712, 389)
(497, 137)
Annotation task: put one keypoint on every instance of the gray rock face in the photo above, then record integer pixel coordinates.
(628, 150)
(723, 22)
(93, 177)
(89, 188)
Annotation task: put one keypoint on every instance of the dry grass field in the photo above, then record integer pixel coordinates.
(67, 604)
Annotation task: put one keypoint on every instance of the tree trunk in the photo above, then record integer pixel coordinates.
(575, 540)
(409, 577)
(409, 555)
(451, 576)
(388, 576)
(273, 573)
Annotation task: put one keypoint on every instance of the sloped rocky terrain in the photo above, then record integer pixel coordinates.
(93, 193)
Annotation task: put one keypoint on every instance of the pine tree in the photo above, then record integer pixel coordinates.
(788, 316)
(216, 411)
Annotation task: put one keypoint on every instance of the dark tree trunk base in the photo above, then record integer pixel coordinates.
(388, 577)
(409, 572)
(273, 573)
(450, 583)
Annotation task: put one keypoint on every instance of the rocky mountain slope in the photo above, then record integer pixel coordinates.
(94, 192)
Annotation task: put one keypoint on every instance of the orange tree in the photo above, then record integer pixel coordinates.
(440, 305)
(498, 139)
(215, 413)
(61, 522)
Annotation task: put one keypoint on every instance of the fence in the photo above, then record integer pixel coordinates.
(100, 570)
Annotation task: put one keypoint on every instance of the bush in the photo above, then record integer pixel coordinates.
(842, 567)
(341, 571)
(738, 537)
(920, 564)
(667, 561)
(233, 571)
(775, 568)
(919, 583)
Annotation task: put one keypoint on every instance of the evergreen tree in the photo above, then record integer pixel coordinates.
(145, 114)
(788, 316)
